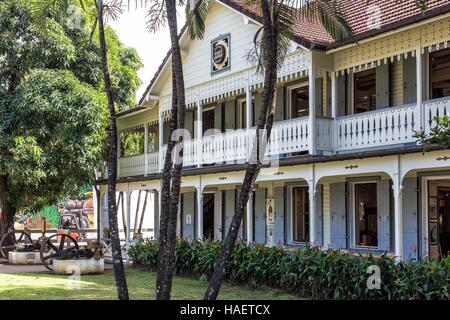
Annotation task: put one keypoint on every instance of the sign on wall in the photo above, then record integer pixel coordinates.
(221, 54)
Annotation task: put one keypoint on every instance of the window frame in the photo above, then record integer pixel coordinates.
(291, 240)
(301, 84)
(353, 89)
(352, 207)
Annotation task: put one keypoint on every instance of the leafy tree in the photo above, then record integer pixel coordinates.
(39, 42)
(97, 11)
(439, 134)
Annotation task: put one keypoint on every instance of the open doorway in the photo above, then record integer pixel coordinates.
(439, 218)
(208, 216)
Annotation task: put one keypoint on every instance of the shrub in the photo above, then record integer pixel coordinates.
(310, 272)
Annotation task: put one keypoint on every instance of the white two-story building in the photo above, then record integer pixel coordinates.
(346, 170)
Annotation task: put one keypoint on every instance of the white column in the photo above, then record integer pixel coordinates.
(127, 194)
(161, 140)
(199, 213)
(398, 216)
(334, 108)
(199, 134)
(312, 207)
(146, 149)
(248, 117)
(312, 109)
(156, 202)
(419, 85)
(250, 218)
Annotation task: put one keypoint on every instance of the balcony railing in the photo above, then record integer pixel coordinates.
(381, 128)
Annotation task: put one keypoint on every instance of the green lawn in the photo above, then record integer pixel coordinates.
(141, 283)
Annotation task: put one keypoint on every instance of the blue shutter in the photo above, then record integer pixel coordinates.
(409, 80)
(384, 214)
(230, 115)
(338, 215)
(188, 209)
(342, 94)
(319, 216)
(240, 236)
(218, 117)
(410, 228)
(218, 215)
(319, 96)
(258, 107)
(279, 216)
(230, 205)
(382, 86)
(260, 215)
(279, 111)
(189, 122)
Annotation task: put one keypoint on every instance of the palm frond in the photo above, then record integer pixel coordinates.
(112, 9)
(196, 11)
(156, 16)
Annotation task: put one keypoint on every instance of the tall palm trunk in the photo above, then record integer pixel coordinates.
(166, 266)
(7, 211)
(165, 193)
(254, 166)
(119, 271)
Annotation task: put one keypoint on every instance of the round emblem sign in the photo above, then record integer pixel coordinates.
(220, 53)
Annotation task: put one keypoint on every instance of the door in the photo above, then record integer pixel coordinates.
(208, 216)
(438, 219)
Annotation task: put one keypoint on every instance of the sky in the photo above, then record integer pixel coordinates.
(152, 48)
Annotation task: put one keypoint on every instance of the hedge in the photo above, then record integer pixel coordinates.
(310, 272)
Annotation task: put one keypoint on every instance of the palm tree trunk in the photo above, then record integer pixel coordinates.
(179, 91)
(253, 167)
(165, 194)
(7, 211)
(119, 271)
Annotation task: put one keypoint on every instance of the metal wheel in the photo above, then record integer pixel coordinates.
(63, 248)
(10, 243)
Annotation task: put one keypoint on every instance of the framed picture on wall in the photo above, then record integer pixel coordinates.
(221, 54)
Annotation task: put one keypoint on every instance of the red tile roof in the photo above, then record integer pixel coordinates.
(392, 15)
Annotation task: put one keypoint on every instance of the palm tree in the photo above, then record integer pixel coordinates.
(160, 13)
(112, 9)
(271, 46)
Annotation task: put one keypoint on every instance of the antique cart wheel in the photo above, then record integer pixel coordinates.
(63, 248)
(10, 243)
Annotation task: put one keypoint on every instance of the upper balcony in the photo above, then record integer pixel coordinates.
(379, 107)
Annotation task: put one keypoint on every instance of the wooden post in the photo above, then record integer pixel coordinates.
(419, 85)
(248, 118)
(334, 109)
(200, 213)
(312, 207)
(312, 108)
(199, 157)
(250, 218)
(398, 215)
(161, 140)
(146, 149)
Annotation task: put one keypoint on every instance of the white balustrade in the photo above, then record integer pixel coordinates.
(288, 136)
(433, 109)
(388, 126)
(153, 162)
(132, 166)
